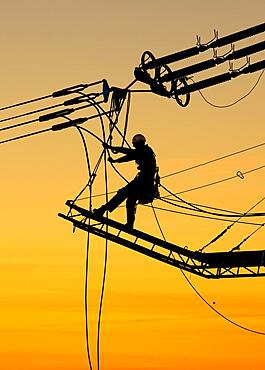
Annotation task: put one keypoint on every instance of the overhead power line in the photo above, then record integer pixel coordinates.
(219, 181)
(200, 295)
(213, 160)
(63, 92)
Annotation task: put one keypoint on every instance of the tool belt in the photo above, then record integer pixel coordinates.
(152, 191)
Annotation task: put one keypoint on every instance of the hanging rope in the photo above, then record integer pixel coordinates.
(205, 301)
(235, 102)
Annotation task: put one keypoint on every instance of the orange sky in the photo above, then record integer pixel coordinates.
(151, 318)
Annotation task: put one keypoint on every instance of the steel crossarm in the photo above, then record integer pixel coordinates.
(207, 64)
(217, 42)
(209, 265)
(220, 78)
(138, 244)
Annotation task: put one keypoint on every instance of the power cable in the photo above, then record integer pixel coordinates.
(65, 91)
(218, 181)
(213, 160)
(45, 117)
(29, 113)
(19, 124)
(205, 301)
(87, 253)
(237, 247)
(26, 102)
(218, 312)
(201, 216)
(194, 208)
(106, 245)
(26, 135)
(89, 184)
(126, 118)
(229, 228)
(235, 102)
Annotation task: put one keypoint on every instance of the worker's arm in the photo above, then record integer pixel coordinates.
(129, 153)
(118, 149)
(125, 158)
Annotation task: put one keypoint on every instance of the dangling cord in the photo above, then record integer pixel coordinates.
(105, 265)
(126, 118)
(204, 300)
(87, 249)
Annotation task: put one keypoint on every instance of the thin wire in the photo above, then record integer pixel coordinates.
(26, 135)
(18, 125)
(106, 253)
(204, 206)
(126, 118)
(95, 105)
(218, 312)
(131, 84)
(208, 304)
(37, 119)
(230, 226)
(237, 247)
(29, 113)
(200, 165)
(213, 160)
(87, 251)
(106, 245)
(235, 102)
(92, 134)
(219, 181)
(201, 216)
(90, 182)
(26, 102)
(157, 221)
(194, 208)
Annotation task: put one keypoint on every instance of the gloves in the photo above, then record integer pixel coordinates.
(106, 146)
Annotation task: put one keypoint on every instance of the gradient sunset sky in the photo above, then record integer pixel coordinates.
(151, 318)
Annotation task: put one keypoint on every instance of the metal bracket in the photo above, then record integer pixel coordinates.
(206, 46)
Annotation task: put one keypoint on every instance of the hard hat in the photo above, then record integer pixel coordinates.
(138, 138)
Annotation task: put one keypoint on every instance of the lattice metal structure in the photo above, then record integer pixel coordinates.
(216, 265)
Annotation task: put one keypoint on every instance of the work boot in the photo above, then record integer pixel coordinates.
(128, 225)
(99, 211)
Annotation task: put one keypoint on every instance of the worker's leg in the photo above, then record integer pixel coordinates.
(131, 209)
(118, 198)
(115, 201)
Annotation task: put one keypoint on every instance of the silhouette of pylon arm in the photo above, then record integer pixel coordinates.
(207, 64)
(220, 78)
(216, 42)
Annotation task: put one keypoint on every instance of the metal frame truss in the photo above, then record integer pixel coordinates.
(216, 265)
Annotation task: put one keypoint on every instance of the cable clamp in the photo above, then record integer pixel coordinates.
(240, 175)
(203, 47)
(241, 70)
(221, 58)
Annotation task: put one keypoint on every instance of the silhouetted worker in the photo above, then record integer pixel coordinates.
(142, 188)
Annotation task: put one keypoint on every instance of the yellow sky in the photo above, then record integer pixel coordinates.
(151, 318)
